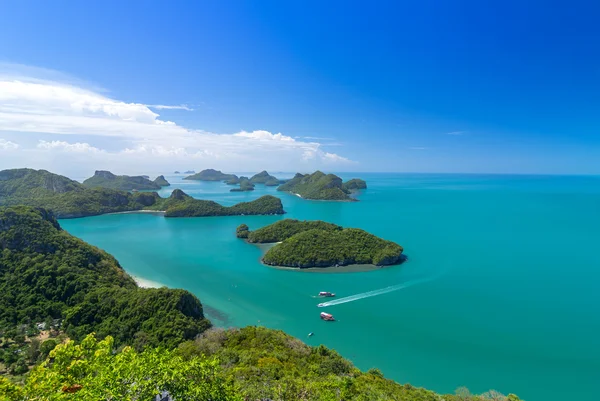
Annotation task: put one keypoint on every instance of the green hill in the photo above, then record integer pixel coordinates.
(47, 273)
(245, 185)
(210, 175)
(161, 181)
(319, 186)
(305, 244)
(354, 184)
(265, 178)
(106, 179)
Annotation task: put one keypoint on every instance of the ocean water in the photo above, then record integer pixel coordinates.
(501, 289)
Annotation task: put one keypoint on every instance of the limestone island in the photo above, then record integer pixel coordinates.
(306, 244)
(106, 179)
(210, 175)
(67, 198)
(265, 178)
(245, 185)
(176, 172)
(189, 172)
(321, 186)
(162, 181)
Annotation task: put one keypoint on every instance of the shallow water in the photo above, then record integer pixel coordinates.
(504, 271)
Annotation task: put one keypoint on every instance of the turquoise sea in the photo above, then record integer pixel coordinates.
(502, 282)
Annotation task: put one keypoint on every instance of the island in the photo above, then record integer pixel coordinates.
(235, 180)
(106, 179)
(321, 186)
(355, 184)
(67, 198)
(210, 175)
(161, 181)
(177, 172)
(245, 185)
(305, 244)
(189, 172)
(265, 178)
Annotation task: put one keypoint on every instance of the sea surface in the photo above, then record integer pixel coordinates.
(501, 289)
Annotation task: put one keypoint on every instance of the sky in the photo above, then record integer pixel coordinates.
(399, 86)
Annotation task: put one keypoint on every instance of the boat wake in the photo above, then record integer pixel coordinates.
(374, 293)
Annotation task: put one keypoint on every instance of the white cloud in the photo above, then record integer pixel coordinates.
(77, 147)
(8, 145)
(456, 133)
(166, 107)
(31, 106)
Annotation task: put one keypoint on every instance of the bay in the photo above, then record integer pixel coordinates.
(500, 291)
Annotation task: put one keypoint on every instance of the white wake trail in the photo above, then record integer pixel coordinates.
(373, 293)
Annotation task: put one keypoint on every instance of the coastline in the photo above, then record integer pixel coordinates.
(156, 212)
(145, 283)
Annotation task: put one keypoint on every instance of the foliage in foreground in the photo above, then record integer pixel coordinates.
(248, 364)
(93, 371)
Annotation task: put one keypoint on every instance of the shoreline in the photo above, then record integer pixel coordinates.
(145, 283)
(156, 212)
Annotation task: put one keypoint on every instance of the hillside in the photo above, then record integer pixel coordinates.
(68, 199)
(265, 178)
(305, 244)
(106, 179)
(210, 175)
(245, 185)
(48, 274)
(318, 186)
(179, 204)
(354, 184)
(161, 181)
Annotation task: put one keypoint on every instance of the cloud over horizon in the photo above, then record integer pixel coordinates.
(42, 113)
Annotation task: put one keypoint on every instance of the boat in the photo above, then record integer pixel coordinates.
(326, 294)
(327, 316)
(311, 334)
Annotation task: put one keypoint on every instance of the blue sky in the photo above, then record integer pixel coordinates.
(425, 86)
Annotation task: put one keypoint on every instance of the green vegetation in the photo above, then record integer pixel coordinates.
(106, 179)
(210, 175)
(265, 178)
(67, 198)
(48, 274)
(252, 363)
(354, 184)
(286, 228)
(320, 244)
(179, 204)
(319, 186)
(161, 181)
(233, 181)
(245, 185)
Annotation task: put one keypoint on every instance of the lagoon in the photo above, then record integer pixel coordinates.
(500, 290)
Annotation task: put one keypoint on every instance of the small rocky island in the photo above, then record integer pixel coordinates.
(106, 179)
(245, 185)
(306, 244)
(321, 186)
(265, 178)
(162, 181)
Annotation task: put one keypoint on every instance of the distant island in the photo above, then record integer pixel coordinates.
(245, 185)
(189, 172)
(210, 175)
(161, 181)
(67, 198)
(265, 178)
(177, 172)
(305, 244)
(106, 179)
(321, 186)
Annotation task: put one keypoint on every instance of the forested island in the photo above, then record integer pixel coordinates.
(245, 185)
(210, 175)
(161, 181)
(55, 289)
(67, 198)
(321, 186)
(106, 179)
(304, 244)
(265, 178)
